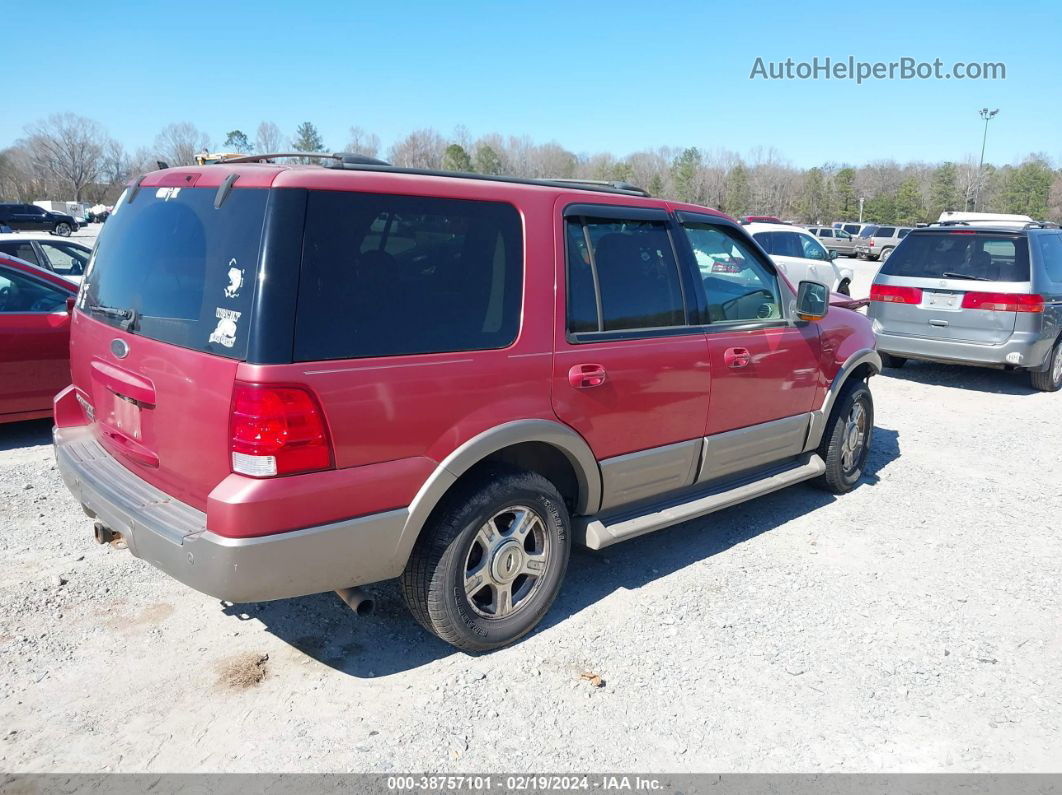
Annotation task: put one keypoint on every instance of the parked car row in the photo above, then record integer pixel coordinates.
(64, 258)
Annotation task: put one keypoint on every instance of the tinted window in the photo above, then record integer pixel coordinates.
(852, 229)
(868, 231)
(961, 255)
(841, 234)
(781, 244)
(737, 285)
(885, 231)
(1051, 254)
(187, 269)
(389, 275)
(637, 277)
(19, 293)
(902, 233)
(825, 233)
(22, 249)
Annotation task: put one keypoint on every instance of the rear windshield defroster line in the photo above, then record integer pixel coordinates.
(184, 270)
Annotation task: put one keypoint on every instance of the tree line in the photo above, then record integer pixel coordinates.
(66, 156)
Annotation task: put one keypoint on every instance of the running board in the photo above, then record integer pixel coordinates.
(598, 533)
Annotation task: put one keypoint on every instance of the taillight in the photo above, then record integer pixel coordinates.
(277, 430)
(870, 243)
(1003, 302)
(888, 294)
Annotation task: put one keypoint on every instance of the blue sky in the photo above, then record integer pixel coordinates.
(593, 76)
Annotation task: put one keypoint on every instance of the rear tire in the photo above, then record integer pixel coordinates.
(846, 440)
(885, 252)
(489, 564)
(63, 229)
(895, 362)
(1050, 380)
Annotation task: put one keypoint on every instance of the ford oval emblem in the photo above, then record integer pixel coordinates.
(119, 348)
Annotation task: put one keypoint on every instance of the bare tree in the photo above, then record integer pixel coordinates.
(363, 143)
(68, 149)
(178, 143)
(268, 138)
(419, 149)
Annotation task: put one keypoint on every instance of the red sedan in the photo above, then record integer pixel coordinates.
(35, 310)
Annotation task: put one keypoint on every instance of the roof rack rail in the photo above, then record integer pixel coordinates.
(357, 162)
(950, 223)
(1041, 225)
(343, 158)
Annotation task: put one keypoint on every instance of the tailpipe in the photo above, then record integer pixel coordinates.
(104, 534)
(359, 601)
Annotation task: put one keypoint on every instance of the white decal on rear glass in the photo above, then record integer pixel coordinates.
(167, 193)
(235, 280)
(225, 333)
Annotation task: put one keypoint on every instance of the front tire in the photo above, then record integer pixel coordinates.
(1050, 380)
(846, 440)
(63, 229)
(489, 564)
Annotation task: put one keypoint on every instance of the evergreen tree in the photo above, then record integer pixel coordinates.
(844, 191)
(944, 191)
(907, 206)
(455, 158)
(1027, 189)
(738, 193)
(237, 141)
(307, 139)
(487, 160)
(684, 173)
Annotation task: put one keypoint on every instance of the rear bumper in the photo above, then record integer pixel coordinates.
(173, 536)
(1032, 349)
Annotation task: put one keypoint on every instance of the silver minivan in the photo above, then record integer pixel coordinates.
(980, 295)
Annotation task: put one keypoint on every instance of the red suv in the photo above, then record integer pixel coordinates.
(289, 380)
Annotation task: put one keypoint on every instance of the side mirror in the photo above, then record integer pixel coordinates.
(833, 254)
(813, 301)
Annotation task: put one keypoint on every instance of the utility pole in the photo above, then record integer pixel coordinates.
(987, 115)
(861, 200)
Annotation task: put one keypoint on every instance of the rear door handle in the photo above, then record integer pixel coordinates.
(737, 357)
(584, 376)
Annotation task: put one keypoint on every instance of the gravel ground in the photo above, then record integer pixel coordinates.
(912, 625)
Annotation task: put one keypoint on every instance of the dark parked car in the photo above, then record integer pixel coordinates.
(34, 339)
(63, 257)
(31, 218)
(445, 379)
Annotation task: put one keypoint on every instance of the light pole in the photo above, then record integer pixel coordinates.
(861, 200)
(987, 115)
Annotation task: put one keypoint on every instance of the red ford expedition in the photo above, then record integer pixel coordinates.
(289, 380)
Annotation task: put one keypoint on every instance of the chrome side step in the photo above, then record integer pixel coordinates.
(600, 532)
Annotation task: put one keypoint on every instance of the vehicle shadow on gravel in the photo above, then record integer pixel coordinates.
(30, 433)
(389, 641)
(957, 376)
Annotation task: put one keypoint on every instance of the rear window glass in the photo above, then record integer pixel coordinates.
(186, 269)
(852, 229)
(885, 231)
(961, 255)
(869, 231)
(387, 275)
(781, 244)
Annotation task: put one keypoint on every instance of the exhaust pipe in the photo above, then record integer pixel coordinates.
(103, 534)
(359, 601)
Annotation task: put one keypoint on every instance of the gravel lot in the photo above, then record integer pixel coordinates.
(912, 625)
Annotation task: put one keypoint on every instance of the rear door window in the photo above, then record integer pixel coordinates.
(386, 275)
(65, 259)
(885, 231)
(186, 269)
(781, 244)
(21, 249)
(824, 233)
(961, 255)
(20, 294)
(1051, 253)
(627, 270)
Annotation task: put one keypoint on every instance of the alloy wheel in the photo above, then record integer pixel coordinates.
(855, 438)
(506, 562)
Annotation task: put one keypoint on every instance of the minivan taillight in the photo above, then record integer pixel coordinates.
(1004, 302)
(889, 294)
(277, 430)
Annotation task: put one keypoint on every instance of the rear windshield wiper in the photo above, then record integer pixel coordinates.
(128, 317)
(950, 275)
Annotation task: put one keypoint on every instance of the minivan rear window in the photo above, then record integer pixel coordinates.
(961, 255)
(186, 269)
(386, 275)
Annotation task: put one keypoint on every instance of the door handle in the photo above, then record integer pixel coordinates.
(584, 376)
(737, 357)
